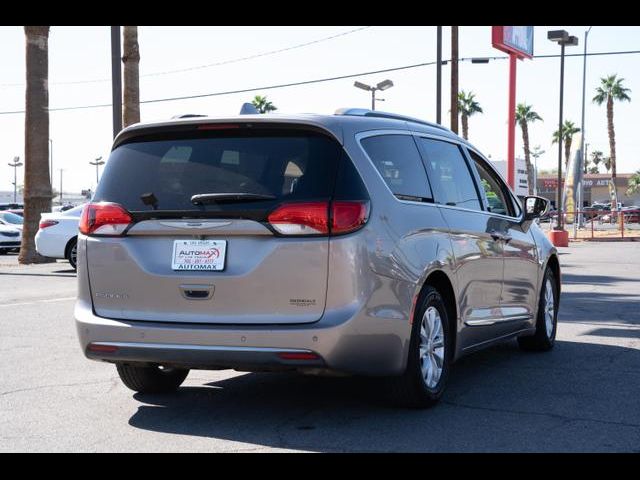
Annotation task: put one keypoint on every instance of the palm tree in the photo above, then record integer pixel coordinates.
(536, 152)
(611, 89)
(37, 187)
(597, 157)
(467, 106)
(263, 105)
(524, 116)
(569, 129)
(131, 60)
(634, 184)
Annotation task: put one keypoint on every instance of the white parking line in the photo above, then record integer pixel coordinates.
(49, 300)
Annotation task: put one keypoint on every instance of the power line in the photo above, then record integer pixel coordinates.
(209, 65)
(308, 82)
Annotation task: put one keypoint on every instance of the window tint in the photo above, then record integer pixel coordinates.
(290, 165)
(494, 189)
(397, 159)
(449, 174)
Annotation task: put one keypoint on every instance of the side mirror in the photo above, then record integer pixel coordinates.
(535, 207)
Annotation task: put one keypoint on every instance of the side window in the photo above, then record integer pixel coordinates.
(494, 190)
(397, 159)
(449, 174)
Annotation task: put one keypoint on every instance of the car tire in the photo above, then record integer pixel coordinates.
(547, 319)
(151, 379)
(72, 253)
(430, 353)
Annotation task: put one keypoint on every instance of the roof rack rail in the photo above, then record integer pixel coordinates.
(187, 115)
(363, 112)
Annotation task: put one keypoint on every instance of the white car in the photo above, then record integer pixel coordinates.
(10, 238)
(11, 219)
(58, 234)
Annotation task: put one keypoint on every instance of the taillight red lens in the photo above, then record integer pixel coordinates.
(47, 223)
(308, 218)
(104, 219)
(348, 216)
(299, 356)
(312, 218)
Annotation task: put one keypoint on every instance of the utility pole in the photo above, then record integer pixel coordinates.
(454, 79)
(439, 76)
(16, 163)
(61, 170)
(116, 80)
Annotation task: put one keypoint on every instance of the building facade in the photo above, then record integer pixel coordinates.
(595, 188)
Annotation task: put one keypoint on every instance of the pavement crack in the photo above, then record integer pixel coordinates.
(542, 414)
(41, 387)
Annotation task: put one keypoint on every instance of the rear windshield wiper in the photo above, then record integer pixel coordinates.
(203, 198)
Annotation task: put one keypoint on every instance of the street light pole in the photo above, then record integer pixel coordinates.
(61, 170)
(116, 79)
(439, 76)
(51, 164)
(384, 85)
(563, 38)
(582, 143)
(16, 163)
(97, 163)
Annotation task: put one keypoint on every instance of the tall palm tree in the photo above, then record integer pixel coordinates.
(597, 157)
(37, 186)
(524, 116)
(131, 60)
(262, 104)
(611, 89)
(569, 129)
(467, 106)
(634, 184)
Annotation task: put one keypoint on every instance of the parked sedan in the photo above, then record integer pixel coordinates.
(11, 219)
(58, 233)
(10, 239)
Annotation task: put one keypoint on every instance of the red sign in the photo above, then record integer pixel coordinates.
(516, 40)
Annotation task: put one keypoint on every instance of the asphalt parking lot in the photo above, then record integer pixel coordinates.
(581, 397)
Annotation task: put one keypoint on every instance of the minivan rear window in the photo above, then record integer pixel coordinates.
(286, 165)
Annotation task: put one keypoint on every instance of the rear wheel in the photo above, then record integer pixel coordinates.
(151, 379)
(72, 253)
(425, 378)
(547, 320)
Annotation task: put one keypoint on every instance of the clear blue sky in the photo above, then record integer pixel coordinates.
(83, 53)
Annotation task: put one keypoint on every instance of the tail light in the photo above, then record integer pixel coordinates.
(312, 218)
(47, 223)
(104, 219)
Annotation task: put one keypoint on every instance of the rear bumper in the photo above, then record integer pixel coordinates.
(340, 346)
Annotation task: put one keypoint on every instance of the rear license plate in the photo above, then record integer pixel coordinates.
(199, 255)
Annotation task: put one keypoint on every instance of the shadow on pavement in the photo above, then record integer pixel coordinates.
(501, 399)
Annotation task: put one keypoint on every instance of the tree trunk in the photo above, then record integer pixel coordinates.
(131, 60)
(454, 79)
(612, 137)
(465, 127)
(527, 156)
(37, 185)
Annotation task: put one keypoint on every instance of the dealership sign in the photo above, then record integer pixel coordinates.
(513, 40)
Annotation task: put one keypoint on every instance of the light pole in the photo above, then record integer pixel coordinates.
(384, 85)
(582, 146)
(61, 170)
(439, 75)
(51, 163)
(97, 163)
(16, 163)
(562, 38)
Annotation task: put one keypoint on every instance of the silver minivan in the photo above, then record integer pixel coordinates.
(361, 243)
